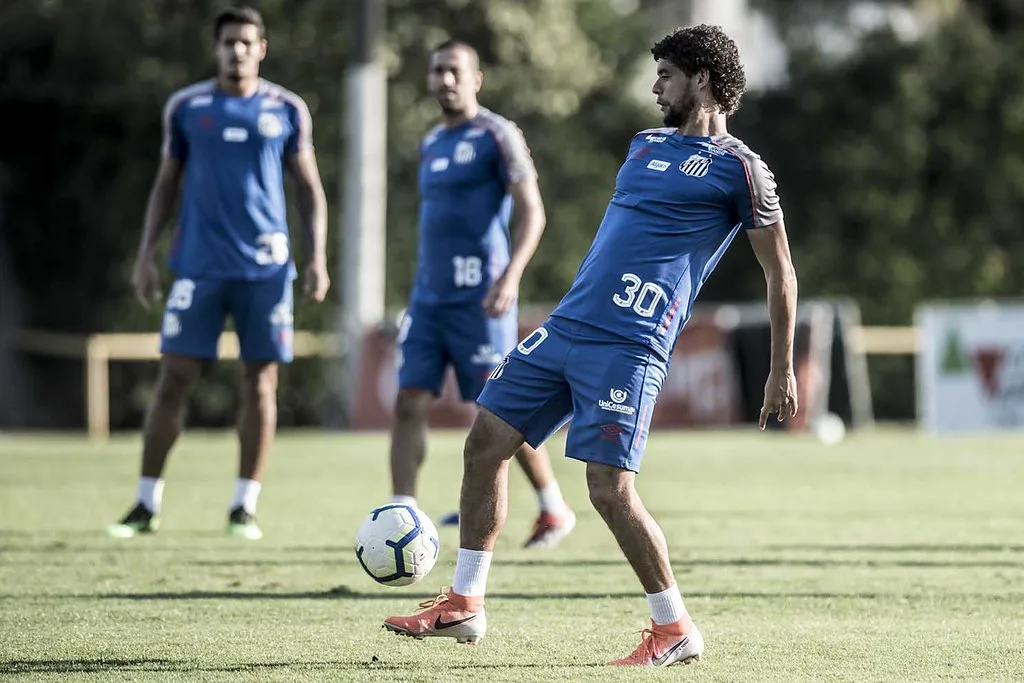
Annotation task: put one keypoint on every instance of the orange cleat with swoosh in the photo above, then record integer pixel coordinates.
(449, 615)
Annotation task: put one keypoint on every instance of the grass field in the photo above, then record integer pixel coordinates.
(891, 557)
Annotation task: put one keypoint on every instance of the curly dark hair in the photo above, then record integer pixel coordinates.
(707, 47)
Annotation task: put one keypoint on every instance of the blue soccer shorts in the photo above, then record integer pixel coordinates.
(430, 338)
(608, 388)
(260, 309)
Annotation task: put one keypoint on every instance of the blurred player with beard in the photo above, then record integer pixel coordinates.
(476, 177)
(230, 138)
(681, 196)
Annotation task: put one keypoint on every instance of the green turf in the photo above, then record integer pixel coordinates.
(891, 557)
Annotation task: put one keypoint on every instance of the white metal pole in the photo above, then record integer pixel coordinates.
(363, 212)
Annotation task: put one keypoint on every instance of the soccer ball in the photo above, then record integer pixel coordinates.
(397, 545)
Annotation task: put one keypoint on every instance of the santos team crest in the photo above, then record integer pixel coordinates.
(696, 166)
(269, 125)
(464, 152)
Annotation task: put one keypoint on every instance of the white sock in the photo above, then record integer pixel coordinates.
(550, 499)
(404, 500)
(247, 492)
(151, 493)
(667, 606)
(471, 569)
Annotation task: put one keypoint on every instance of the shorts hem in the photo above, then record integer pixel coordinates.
(599, 461)
(264, 359)
(188, 354)
(435, 391)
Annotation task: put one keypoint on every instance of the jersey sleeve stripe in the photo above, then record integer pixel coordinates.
(750, 184)
(305, 124)
(174, 102)
(508, 137)
(303, 117)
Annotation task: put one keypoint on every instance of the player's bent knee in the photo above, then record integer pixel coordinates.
(411, 405)
(491, 438)
(259, 380)
(610, 488)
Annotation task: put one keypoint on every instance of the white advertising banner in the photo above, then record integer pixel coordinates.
(970, 367)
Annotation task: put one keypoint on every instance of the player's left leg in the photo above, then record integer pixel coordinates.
(673, 637)
(262, 311)
(612, 415)
(476, 344)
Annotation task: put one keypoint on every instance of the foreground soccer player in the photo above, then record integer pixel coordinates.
(474, 168)
(601, 358)
(231, 138)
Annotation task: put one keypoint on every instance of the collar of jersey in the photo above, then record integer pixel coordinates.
(676, 135)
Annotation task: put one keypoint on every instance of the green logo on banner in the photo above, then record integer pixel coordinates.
(954, 361)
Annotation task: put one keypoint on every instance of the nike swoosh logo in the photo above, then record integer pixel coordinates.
(440, 625)
(660, 661)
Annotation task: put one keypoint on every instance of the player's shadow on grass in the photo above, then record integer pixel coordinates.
(106, 665)
(54, 666)
(698, 562)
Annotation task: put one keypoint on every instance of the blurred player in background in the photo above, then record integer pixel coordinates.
(681, 196)
(475, 168)
(230, 138)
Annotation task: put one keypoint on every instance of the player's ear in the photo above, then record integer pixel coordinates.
(263, 49)
(703, 79)
(478, 81)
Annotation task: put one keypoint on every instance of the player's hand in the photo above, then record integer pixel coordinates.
(146, 281)
(779, 396)
(501, 296)
(316, 281)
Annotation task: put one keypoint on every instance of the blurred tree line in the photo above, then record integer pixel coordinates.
(898, 162)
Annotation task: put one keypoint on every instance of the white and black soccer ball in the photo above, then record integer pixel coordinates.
(397, 545)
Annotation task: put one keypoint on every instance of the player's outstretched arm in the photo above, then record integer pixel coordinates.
(528, 226)
(313, 212)
(771, 246)
(162, 196)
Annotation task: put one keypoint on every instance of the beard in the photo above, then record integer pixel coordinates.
(232, 71)
(678, 114)
(451, 108)
(450, 105)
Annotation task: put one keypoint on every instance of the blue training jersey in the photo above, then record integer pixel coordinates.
(678, 203)
(465, 207)
(233, 222)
